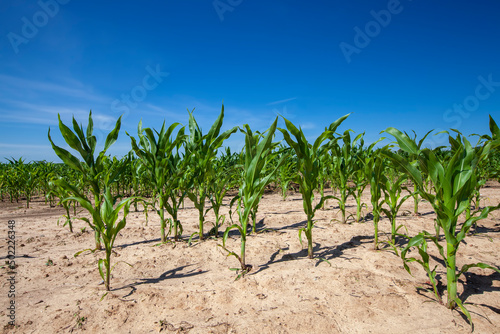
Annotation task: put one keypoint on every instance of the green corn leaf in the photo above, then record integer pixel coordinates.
(404, 142)
(66, 157)
(481, 265)
(128, 264)
(102, 268)
(495, 131)
(113, 135)
(404, 165)
(70, 138)
(465, 311)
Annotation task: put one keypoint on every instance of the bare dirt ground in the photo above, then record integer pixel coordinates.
(180, 289)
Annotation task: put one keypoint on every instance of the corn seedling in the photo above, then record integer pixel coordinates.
(454, 183)
(343, 161)
(161, 159)
(107, 222)
(200, 152)
(258, 152)
(413, 158)
(223, 178)
(361, 172)
(287, 171)
(376, 166)
(308, 167)
(62, 193)
(91, 169)
(393, 188)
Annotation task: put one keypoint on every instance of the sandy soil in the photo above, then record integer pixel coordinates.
(180, 289)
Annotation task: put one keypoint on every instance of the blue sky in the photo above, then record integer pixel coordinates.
(417, 65)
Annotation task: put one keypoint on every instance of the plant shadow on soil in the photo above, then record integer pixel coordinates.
(167, 275)
(320, 253)
(478, 284)
(138, 243)
(474, 284)
(480, 229)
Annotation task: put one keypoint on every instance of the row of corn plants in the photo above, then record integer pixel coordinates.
(167, 166)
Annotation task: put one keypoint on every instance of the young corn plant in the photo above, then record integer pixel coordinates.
(361, 174)
(454, 183)
(136, 169)
(45, 173)
(393, 188)
(62, 193)
(92, 169)
(201, 150)
(286, 172)
(308, 167)
(258, 154)
(107, 221)
(413, 157)
(161, 158)
(223, 179)
(375, 167)
(325, 167)
(343, 161)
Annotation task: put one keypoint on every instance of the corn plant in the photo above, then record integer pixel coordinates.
(105, 220)
(223, 178)
(360, 173)
(286, 172)
(393, 188)
(62, 193)
(45, 173)
(482, 176)
(308, 167)
(201, 150)
(343, 161)
(454, 183)
(161, 158)
(92, 169)
(258, 154)
(375, 167)
(413, 157)
(136, 169)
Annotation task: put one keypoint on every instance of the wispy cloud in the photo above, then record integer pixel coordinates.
(168, 114)
(26, 87)
(47, 100)
(24, 146)
(23, 112)
(281, 101)
(307, 125)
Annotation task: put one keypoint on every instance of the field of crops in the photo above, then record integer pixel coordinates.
(319, 236)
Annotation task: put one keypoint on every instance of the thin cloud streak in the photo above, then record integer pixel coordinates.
(26, 86)
(281, 101)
